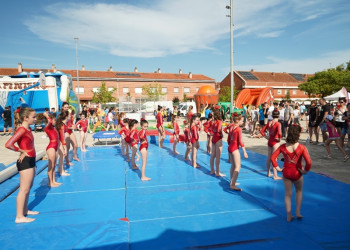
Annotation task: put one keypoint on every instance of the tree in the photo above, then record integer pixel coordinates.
(153, 91)
(185, 98)
(225, 94)
(103, 95)
(176, 101)
(287, 96)
(327, 82)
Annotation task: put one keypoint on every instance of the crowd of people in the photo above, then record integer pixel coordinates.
(273, 121)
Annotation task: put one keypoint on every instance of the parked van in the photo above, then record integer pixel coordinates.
(183, 108)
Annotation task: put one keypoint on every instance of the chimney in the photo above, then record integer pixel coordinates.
(159, 71)
(19, 67)
(110, 69)
(190, 75)
(180, 71)
(83, 68)
(136, 70)
(252, 70)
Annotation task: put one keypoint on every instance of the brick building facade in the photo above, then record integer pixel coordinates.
(280, 82)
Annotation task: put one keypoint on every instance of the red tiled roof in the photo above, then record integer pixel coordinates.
(114, 74)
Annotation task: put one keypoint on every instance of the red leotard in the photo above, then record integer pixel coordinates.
(134, 138)
(69, 124)
(61, 134)
(127, 132)
(235, 139)
(176, 129)
(25, 141)
(122, 125)
(217, 131)
(275, 133)
(52, 133)
(194, 134)
(159, 119)
(187, 135)
(227, 130)
(292, 161)
(143, 139)
(189, 115)
(83, 124)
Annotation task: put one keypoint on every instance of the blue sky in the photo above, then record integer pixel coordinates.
(295, 36)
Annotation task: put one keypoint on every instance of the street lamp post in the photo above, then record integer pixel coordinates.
(76, 56)
(231, 51)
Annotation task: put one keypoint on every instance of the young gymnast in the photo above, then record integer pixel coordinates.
(51, 149)
(62, 149)
(82, 125)
(125, 133)
(175, 122)
(333, 136)
(187, 139)
(194, 125)
(235, 135)
(293, 171)
(134, 142)
(227, 131)
(143, 148)
(25, 163)
(275, 135)
(161, 132)
(207, 129)
(216, 151)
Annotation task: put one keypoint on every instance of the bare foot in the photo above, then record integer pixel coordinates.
(84, 150)
(135, 167)
(54, 185)
(235, 188)
(138, 158)
(299, 216)
(32, 212)
(76, 158)
(277, 178)
(24, 220)
(145, 179)
(187, 159)
(176, 153)
(70, 164)
(269, 174)
(212, 172)
(220, 174)
(64, 174)
(58, 183)
(290, 218)
(127, 159)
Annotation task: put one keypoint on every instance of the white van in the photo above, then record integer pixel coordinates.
(183, 108)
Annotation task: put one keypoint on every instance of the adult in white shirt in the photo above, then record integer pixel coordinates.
(296, 113)
(271, 109)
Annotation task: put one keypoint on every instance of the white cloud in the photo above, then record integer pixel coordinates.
(167, 27)
(306, 65)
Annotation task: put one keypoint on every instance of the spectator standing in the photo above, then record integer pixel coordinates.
(262, 115)
(324, 111)
(255, 116)
(281, 119)
(6, 116)
(288, 116)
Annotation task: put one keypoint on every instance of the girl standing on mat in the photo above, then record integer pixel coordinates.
(227, 131)
(236, 141)
(25, 163)
(275, 135)
(143, 148)
(293, 171)
(82, 125)
(216, 151)
(51, 149)
(333, 136)
(190, 113)
(187, 139)
(207, 129)
(125, 133)
(134, 142)
(194, 125)
(62, 149)
(161, 132)
(175, 121)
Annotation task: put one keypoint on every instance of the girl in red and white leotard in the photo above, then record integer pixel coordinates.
(134, 141)
(62, 135)
(293, 170)
(275, 135)
(52, 148)
(207, 129)
(143, 148)
(187, 139)
(235, 139)
(25, 163)
(125, 135)
(216, 131)
(194, 125)
(161, 132)
(175, 122)
(82, 125)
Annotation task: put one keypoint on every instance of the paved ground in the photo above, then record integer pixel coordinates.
(334, 168)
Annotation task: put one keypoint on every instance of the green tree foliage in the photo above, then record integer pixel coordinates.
(327, 82)
(153, 91)
(185, 98)
(103, 95)
(225, 94)
(287, 96)
(176, 101)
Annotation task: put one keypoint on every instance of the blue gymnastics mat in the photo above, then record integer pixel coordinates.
(104, 205)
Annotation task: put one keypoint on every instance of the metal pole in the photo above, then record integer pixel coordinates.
(76, 56)
(231, 53)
